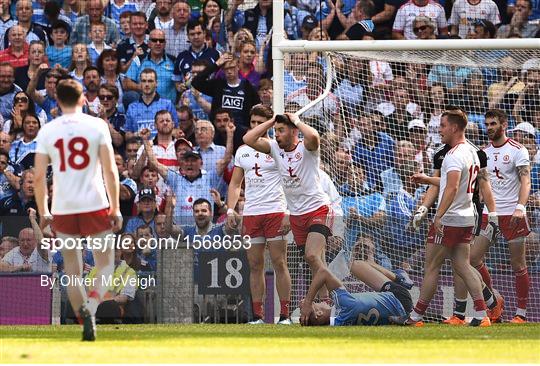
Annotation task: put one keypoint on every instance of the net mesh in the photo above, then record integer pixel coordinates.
(399, 97)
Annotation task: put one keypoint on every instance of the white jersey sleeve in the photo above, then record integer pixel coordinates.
(464, 159)
(263, 190)
(72, 143)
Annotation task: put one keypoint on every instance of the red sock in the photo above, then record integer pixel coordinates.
(485, 275)
(522, 287)
(94, 294)
(421, 307)
(258, 310)
(284, 307)
(480, 305)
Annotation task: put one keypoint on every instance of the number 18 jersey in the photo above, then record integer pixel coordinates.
(72, 143)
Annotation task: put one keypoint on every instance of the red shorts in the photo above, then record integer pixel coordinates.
(84, 224)
(452, 235)
(508, 230)
(263, 226)
(300, 224)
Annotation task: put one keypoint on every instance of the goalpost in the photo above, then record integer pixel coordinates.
(397, 90)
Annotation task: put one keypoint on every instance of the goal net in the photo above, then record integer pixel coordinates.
(379, 125)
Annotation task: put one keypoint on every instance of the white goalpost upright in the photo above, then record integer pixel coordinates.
(362, 84)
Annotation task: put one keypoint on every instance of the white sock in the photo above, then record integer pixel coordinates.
(521, 312)
(92, 304)
(415, 316)
(480, 314)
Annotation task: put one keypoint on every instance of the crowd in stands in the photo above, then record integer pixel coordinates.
(177, 82)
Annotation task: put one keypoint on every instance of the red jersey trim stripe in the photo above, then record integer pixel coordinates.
(168, 162)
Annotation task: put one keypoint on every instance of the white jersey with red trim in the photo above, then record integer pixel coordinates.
(165, 155)
(263, 190)
(405, 15)
(72, 143)
(299, 170)
(464, 159)
(503, 162)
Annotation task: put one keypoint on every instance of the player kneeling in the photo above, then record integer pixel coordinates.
(389, 305)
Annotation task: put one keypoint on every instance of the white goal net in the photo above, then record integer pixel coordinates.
(379, 124)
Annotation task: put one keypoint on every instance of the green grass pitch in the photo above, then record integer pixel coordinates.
(501, 343)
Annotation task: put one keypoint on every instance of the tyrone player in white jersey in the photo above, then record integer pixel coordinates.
(509, 172)
(79, 147)
(451, 233)
(264, 219)
(298, 163)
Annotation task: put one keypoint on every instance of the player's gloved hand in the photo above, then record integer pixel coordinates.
(419, 216)
(492, 231)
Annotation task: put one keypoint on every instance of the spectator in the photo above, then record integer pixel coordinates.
(97, 36)
(28, 256)
(399, 110)
(193, 184)
(418, 136)
(91, 82)
(266, 92)
(125, 30)
(187, 123)
(27, 143)
(482, 29)
(465, 14)
(112, 311)
(108, 111)
(31, 31)
(403, 27)
(241, 36)
(22, 105)
(503, 93)
(116, 8)
(258, 21)
(79, 62)
(73, 9)
(129, 251)
(141, 114)
(392, 183)
(5, 142)
(177, 36)
(200, 103)
(425, 28)
(249, 68)
(14, 209)
(163, 19)
(374, 152)
(325, 111)
(17, 52)
(349, 85)
(210, 152)
(222, 120)
(385, 14)
(81, 29)
(158, 61)
(358, 22)
(136, 45)
(48, 101)
(182, 146)
(36, 58)
(8, 89)
(474, 102)
(9, 182)
(60, 53)
(149, 178)
(521, 23)
(7, 20)
(197, 51)
(147, 256)
(128, 187)
(435, 107)
(110, 70)
(132, 146)
(51, 15)
(146, 207)
(232, 94)
(6, 244)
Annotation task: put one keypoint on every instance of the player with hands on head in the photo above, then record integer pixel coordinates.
(390, 304)
(298, 164)
(264, 219)
(79, 147)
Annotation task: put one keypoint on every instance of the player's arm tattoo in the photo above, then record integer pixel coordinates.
(524, 171)
(483, 174)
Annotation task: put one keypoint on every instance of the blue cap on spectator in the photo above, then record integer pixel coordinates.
(192, 154)
(147, 193)
(309, 22)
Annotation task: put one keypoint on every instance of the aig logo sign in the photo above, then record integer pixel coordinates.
(232, 102)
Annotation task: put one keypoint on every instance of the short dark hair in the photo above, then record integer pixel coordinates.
(186, 109)
(126, 14)
(90, 68)
(262, 111)
(108, 53)
(223, 111)
(497, 113)
(68, 92)
(201, 62)
(159, 113)
(60, 24)
(200, 201)
(456, 117)
(150, 71)
(192, 24)
(138, 14)
(283, 118)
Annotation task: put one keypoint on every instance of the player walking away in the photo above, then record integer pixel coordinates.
(264, 219)
(298, 164)
(80, 149)
(452, 230)
(392, 301)
(509, 172)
